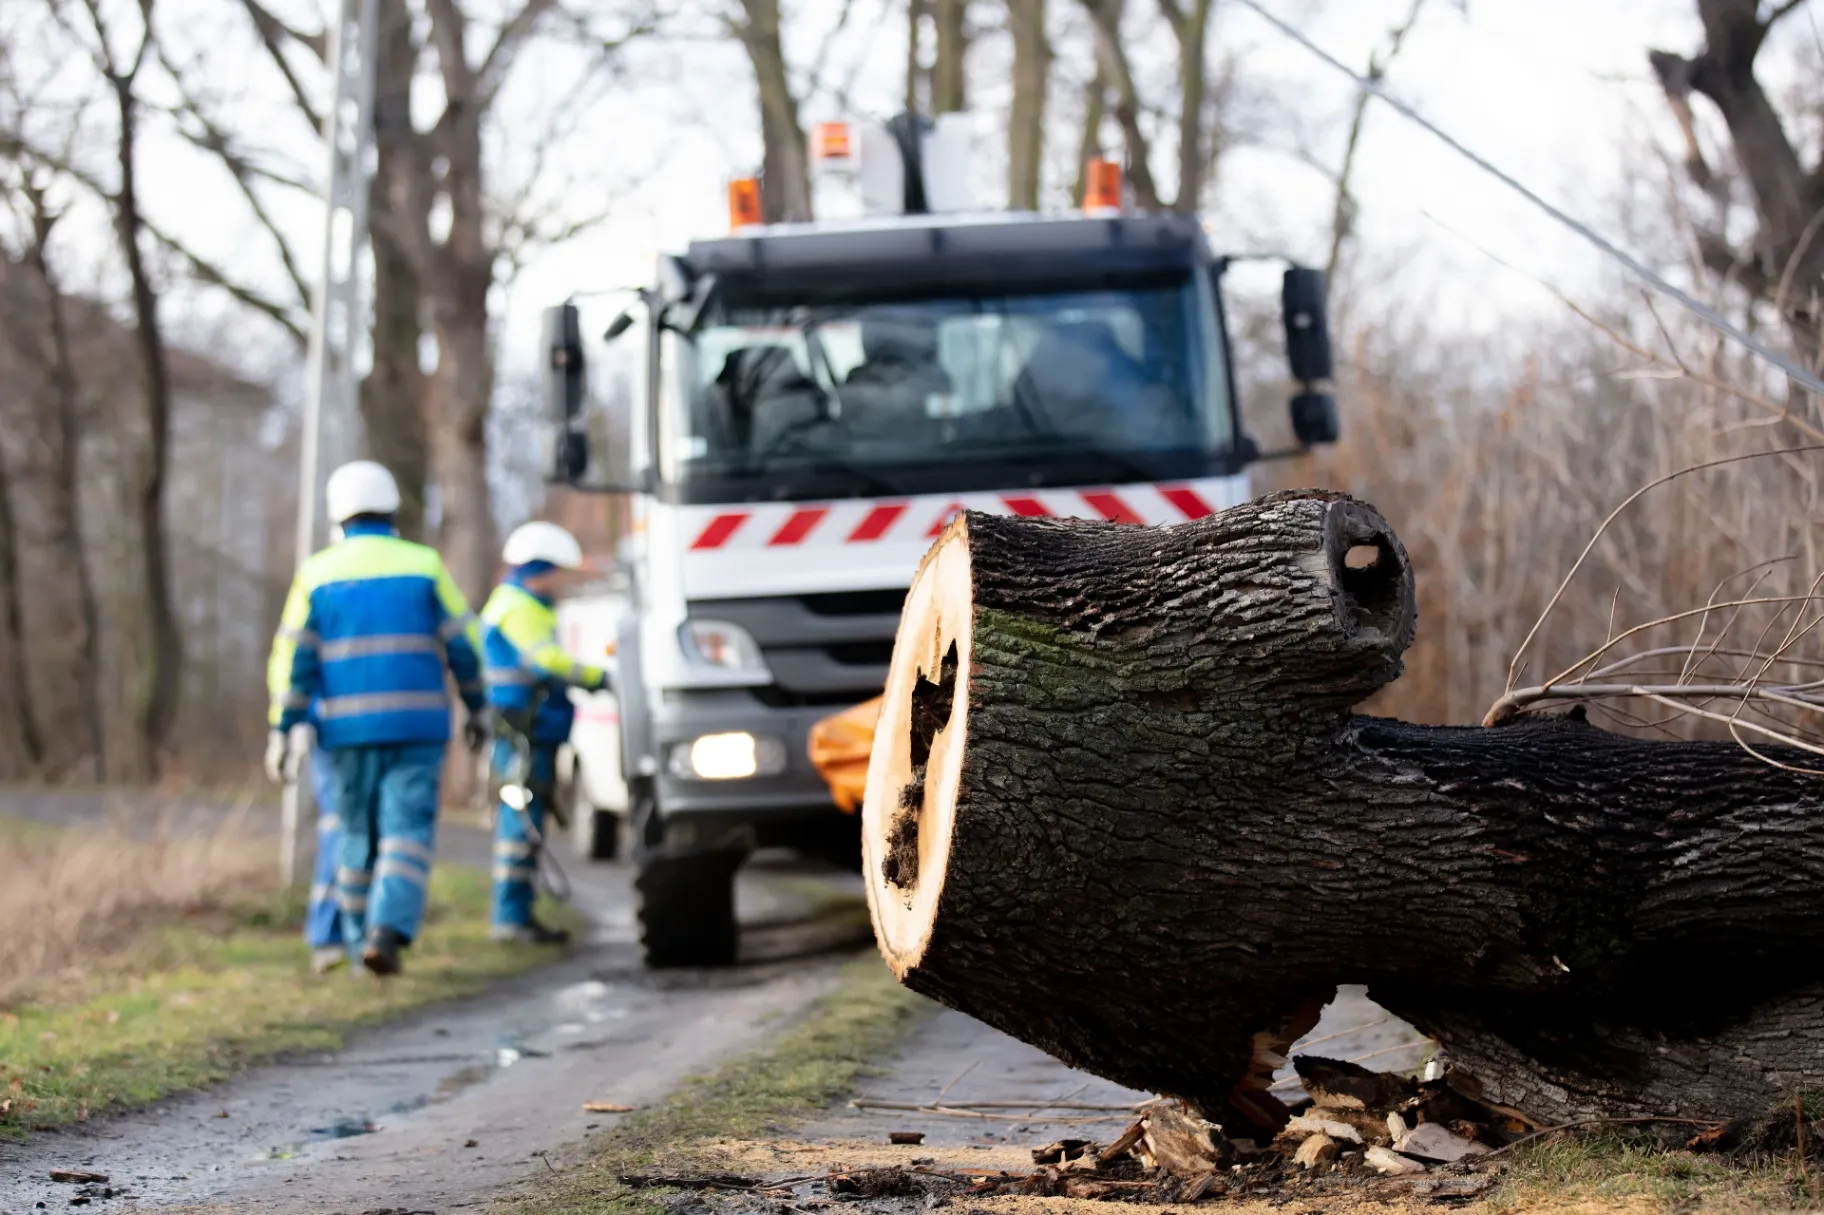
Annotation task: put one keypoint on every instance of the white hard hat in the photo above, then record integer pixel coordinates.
(361, 487)
(541, 541)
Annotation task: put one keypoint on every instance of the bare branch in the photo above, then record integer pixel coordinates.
(513, 35)
(275, 35)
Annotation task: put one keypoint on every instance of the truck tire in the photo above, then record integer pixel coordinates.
(687, 909)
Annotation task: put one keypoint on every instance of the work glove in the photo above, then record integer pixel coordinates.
(285, 754)
(478, 730)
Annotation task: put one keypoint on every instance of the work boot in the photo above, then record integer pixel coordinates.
(533, 933)
(381, 953)
(327, 958)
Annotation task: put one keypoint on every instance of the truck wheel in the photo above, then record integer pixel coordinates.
(594, 832)
(687, 909)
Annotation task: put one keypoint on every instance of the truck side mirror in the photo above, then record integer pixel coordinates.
(563, 373)
(1314, 416)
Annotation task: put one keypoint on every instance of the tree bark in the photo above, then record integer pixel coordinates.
(1026, 116)
(1119, 807)
(917, 83)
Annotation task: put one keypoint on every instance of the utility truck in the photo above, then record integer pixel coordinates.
(819, 400)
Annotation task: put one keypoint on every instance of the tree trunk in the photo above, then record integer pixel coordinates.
(1785, 263)
(785, 186)
(949, 76)
(62, 504)
(392, 395)
(458, 405)
(1191, 29)
(1119, 807)
(1026, 117)
(12, 621)
(159, 698)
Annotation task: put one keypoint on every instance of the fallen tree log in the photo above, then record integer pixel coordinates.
(1118, 806)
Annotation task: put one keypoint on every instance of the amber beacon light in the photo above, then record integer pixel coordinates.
(744, 203)
(1101, 187)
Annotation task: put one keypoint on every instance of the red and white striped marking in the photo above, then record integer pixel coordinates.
(863, 522)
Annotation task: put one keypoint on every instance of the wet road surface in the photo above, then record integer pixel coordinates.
(439, 1111)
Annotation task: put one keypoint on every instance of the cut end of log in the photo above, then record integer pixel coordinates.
(915, 772)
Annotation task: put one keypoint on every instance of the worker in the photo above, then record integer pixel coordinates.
(322, 914)
(529, 676)
(368, 628)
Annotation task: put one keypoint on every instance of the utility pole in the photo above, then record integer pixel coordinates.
(331, 417)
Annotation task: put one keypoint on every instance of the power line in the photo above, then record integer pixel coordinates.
(1683, 299)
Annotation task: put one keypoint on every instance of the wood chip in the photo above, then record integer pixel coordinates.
(1306, 1125)
(607, 1107)
(1125, 1144)
(78, 1177)
(1390, 1163)
(1180, 1143)
(906, 1138)
(1315, 1152)
(1434, 1141)
(1061, 1151)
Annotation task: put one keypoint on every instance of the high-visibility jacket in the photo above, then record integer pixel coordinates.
(369, 626)
(524, 658)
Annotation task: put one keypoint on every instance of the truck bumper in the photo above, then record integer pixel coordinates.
(796, 792)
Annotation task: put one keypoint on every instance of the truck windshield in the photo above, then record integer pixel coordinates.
(1111, 384)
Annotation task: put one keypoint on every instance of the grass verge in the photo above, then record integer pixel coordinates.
(762, 1093)
(1621, 1171)
(181, 1007)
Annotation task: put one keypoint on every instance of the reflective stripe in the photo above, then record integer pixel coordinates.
(381, 702)
(351, 902)
(328, 823)
(517, 677)
(456, 626)
(404, 870)
(300, 637)
(369, 647)
(515, 873)
(354, 877)
(295, 700)
(511, 850)
(404, 847)
(322, 892)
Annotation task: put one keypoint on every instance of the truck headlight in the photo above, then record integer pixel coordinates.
(721, 646)
(733, 756)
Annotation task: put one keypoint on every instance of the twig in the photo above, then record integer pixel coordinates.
(865, 1103)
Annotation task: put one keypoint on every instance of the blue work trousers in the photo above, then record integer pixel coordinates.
(323, 914)
(386, 797)
(518, 833)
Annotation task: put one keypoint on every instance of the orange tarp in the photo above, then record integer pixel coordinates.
(839, 750)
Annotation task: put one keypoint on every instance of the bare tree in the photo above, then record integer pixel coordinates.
(12, 628)
(785, 179)
(60, 441)
(1783, 264)
(158, 699)
(1026, 116)
(1089, 144)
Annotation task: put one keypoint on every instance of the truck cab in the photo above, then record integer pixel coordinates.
(820, 401)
